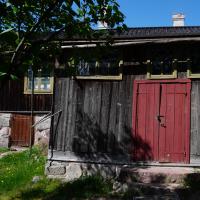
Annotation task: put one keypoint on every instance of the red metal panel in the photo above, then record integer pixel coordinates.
(166, 139)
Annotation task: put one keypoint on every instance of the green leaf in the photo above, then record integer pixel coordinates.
(6, 31)
(14, 77)
(2, 73)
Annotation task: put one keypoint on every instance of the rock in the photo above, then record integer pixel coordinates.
(42, 126)
(55, 170)
(5, 120)
(73, 171)
(4, 136)
(118, 187)
(42, 137)
(36, 179)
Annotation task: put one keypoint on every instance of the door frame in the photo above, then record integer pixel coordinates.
(188, 109)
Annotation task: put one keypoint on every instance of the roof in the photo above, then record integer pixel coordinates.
(143, 33)
(135, 36)
(158, 32)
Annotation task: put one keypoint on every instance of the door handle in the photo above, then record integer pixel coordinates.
(163, 125)
(159, 117)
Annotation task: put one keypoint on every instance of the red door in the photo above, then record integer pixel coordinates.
(161, 121)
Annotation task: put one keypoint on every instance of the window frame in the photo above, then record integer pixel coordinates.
(38, 91)
(189, 70)
(104, 77)
(161, 76)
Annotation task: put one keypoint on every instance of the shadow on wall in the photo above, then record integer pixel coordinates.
(90, 139)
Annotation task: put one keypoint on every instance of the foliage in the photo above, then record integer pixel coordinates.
(33, 25)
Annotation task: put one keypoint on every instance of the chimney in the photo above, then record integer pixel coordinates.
(102, 25)
(178, 19)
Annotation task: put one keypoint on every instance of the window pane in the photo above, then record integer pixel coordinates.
(42, 81)
(162, 67)
(36, 83)
(45, 83)
(167, 67)
(85, 67)
(156, 68)
(195, 67)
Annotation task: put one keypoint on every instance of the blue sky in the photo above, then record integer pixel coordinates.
(142, 13)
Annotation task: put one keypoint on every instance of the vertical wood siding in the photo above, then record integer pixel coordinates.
(12, 98)
(195, 121)
(96, 116)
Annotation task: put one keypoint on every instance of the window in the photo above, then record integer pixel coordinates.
(193, 68)
(93, 64)
(99, 70)
(43, 82)
(165, 69)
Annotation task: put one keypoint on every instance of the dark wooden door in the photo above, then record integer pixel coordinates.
(161, 121)
(20, 130)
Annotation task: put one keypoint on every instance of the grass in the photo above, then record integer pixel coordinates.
(4, 149)
(83, 188)
(18, 169)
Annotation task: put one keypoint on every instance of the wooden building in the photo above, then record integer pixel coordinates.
(16, 106)
(134, 101)
(137, 102)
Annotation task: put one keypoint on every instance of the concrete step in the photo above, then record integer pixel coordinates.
(157, 175)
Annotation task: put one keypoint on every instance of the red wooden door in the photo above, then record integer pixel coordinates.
(161, 121)
(20, 130)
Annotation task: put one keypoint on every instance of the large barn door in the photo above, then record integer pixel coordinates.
(20, 130)
(161, 119)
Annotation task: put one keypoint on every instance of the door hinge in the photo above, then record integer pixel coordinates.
(184, 153)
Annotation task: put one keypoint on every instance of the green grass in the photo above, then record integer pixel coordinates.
(83, 188)
(18, 169)
(4, 149)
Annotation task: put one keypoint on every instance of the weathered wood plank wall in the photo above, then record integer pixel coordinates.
(96, 116)
(195, 122)
(12, 98)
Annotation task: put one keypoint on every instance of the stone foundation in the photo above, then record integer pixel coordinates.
(5, 129)
(42, 132)
(69, 171)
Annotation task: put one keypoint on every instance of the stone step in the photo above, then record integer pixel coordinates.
(157, 175)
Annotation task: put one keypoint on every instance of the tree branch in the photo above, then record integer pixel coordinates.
(20, 45)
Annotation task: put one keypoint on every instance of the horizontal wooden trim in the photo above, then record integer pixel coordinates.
(103, 158)
(24, 112)
(38, 92)
(68, 156)
(98, 77)
(192, 75)
(162, 77)
(164, 81)
(132, 41)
